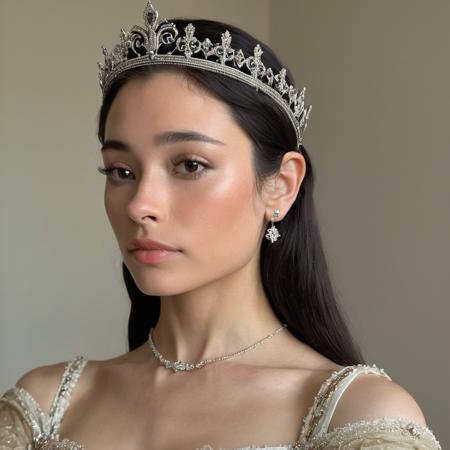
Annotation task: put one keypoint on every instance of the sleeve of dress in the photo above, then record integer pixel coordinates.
(380, 434)
(15, 433)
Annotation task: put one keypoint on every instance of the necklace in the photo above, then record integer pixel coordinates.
(186, 366)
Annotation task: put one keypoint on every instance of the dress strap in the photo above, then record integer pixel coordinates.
(72, 372)
(319, 416)
(339, 389)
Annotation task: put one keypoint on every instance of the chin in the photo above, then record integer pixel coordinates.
(151, 281)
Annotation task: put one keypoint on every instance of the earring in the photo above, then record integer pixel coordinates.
(272, 233)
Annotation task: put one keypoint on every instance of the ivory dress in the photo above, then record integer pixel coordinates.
(25, 426)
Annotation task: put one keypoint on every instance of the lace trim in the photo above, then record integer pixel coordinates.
(253, 447)
(46, 443)
(363, 429)
(395, 430)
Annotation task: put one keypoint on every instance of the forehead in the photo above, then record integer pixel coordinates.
(144, 107)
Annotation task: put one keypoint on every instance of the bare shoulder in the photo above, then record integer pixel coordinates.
(42, 382)
(372, 396)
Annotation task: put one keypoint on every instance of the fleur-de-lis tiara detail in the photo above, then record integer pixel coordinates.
(139, 47)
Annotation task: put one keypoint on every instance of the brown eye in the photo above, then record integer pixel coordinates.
(108, 171)
(192, 165)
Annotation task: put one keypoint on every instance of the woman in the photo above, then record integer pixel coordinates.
(235, 337)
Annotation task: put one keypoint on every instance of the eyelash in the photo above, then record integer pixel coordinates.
(109, 170)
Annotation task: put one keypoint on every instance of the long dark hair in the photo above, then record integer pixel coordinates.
(294, 270)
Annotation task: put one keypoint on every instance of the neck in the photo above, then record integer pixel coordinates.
(215, 320)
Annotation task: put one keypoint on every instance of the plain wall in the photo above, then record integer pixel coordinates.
(377, 74)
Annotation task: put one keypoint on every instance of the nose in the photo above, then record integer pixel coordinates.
(147, 202)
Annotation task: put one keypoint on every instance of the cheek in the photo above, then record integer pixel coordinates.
(115, 209)
(221, 214)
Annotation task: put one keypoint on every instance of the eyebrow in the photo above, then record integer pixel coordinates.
(168, 137)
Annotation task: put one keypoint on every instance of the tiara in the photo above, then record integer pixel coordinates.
(139, 47)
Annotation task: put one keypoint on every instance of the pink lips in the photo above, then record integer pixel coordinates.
(152, 256)
(147, 251)
(149, 244)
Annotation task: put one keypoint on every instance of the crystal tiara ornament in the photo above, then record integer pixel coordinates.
(139, 47)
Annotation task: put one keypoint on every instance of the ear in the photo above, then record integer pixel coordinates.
(281, 190)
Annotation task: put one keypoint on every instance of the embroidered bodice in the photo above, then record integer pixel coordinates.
(25, 426)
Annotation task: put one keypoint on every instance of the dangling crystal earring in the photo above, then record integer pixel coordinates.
(272, 233)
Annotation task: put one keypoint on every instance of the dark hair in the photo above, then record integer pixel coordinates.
(294, 270)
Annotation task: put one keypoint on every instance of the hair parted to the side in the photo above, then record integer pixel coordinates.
(294, 271)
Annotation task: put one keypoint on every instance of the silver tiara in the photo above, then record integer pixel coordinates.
(139, 47)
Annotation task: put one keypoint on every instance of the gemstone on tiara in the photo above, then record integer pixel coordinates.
(140, 46)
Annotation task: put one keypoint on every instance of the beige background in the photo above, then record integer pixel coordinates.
(378, 76)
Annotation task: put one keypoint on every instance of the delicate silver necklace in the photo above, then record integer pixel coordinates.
(186, 366)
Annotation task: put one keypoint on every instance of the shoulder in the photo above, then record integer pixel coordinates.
(42, 382)
(372, 396)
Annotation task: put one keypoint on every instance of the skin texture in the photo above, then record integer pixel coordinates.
(212, 287)
(212, 301)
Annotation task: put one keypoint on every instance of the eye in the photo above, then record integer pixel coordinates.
(108, 171)
(192, 164)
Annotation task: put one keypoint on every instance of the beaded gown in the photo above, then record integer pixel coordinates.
(25, 426)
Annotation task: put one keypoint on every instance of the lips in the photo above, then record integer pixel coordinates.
(149, 244)
(152, 256)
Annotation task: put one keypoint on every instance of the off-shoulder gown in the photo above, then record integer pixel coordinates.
(25, 426)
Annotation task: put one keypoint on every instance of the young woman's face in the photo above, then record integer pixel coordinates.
(206, 210)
